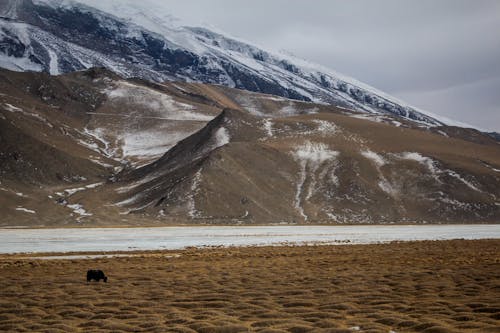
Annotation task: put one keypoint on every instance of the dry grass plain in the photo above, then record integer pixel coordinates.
(448, 286)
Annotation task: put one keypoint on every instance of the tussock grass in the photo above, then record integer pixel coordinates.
(450, 286)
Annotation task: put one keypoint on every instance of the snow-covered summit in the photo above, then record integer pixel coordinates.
(132, 39)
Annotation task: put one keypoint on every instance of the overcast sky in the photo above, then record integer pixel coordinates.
(440, 55)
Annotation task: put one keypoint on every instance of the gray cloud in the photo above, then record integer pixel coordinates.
(476, 103)
(441, 55)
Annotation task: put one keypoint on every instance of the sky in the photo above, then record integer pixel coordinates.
(442, 56)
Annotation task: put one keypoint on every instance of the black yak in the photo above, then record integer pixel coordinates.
(96, 274)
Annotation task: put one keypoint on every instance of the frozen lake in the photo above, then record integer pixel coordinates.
(132, 239)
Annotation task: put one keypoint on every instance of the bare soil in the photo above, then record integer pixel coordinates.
(445, 286)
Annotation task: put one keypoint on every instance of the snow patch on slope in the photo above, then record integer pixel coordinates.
(436, 171)
(268, 127)
(14, 109)
(99, 142)
(249, 103)
(69, 192)
(152, 100)
(463, 180)
(25, 210)
(428, 162)
(195, 188)
(424, 160)
(130, 200)
(326, 127)
(148, 145)
(310, 157)
(315, 153)
(54, 62)
(221, 137)
(384, 184)
(374, 157)
(72, 191)
(79, 210)
(149, 120)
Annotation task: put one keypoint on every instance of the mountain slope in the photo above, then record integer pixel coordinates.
(93, 148)
(316, 168)
(58, 36)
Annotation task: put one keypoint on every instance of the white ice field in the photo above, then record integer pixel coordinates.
(133, 239)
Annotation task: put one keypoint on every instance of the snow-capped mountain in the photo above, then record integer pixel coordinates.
(59, 36)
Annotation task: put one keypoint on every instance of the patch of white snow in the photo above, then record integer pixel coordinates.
(268, 127)
(54, 62)
(374, 157)
(221, 137)
(78, 209)
(310, 157)
(25, 210)
(192, 211)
